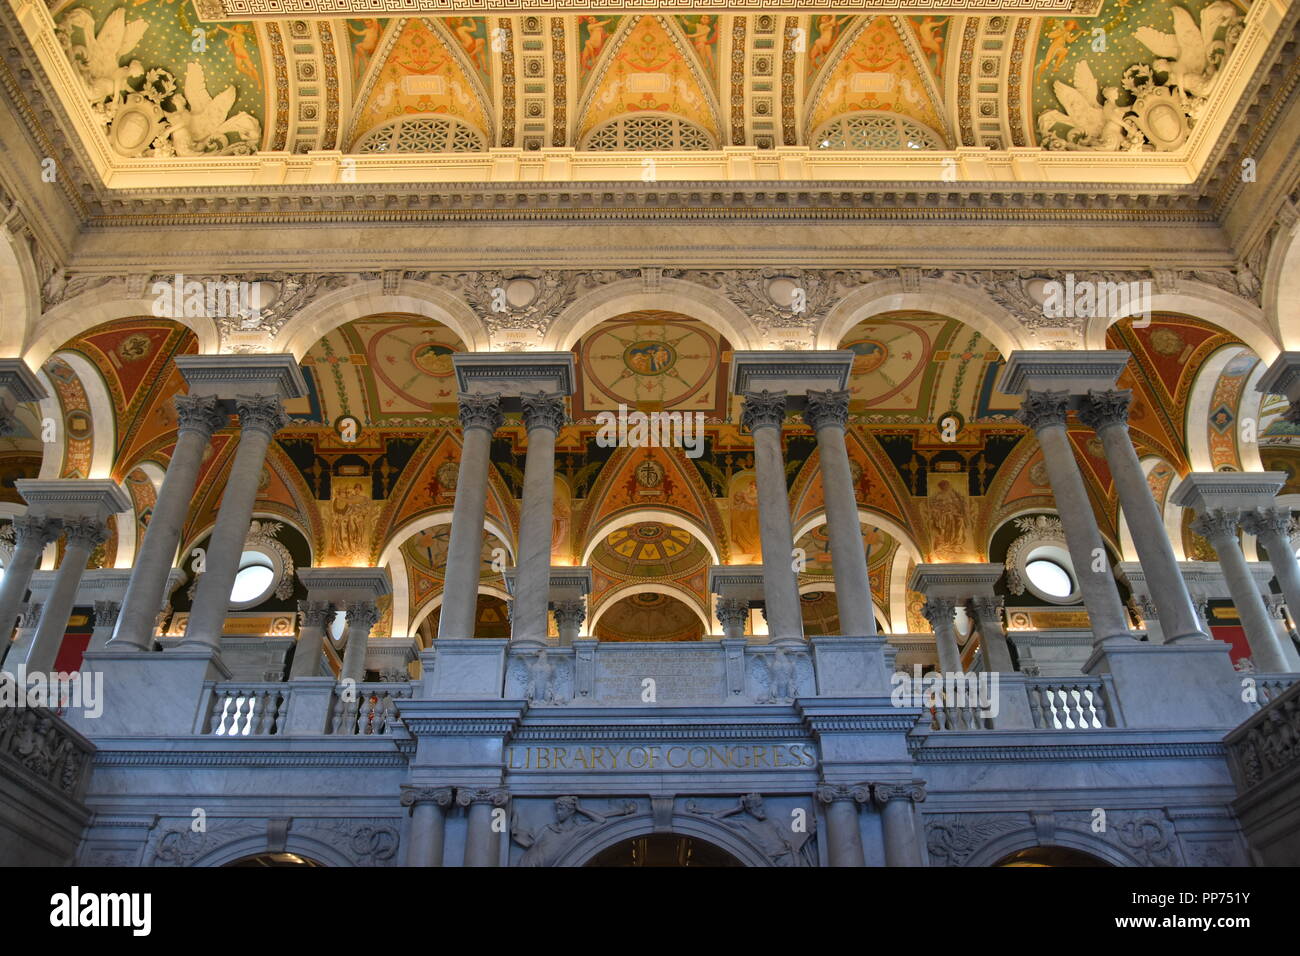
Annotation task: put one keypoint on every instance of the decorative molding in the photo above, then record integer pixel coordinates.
(1035, 531)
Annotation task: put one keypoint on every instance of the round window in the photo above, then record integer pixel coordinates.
(255, 580)
(1049, 577)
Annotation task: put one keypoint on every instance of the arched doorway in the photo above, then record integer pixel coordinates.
(664, 850)
(1050, 856)
(273, 859)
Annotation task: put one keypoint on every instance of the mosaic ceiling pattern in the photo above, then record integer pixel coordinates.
(164, 82)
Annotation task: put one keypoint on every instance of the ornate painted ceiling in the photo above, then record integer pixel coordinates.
(649, 521)
(172, 78)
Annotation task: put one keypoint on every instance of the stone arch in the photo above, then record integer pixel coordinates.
(435, 602)
(1027, 838)
(627, 518)
(811, 586)
(316, 850)
(1199, 300)
(946, 299)
(69, 319)
(1281, 292)
(670, 295)
(20, 294)
(675, 591)
(587, 847)
(327, 313)
(391, 557)
(1198, 411)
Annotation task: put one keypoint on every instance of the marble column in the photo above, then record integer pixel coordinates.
(486, 822)
(480, 417)
(941, 612)
(26, 633)
(82, 536)
(543, 417)
(843, 836)
(733, 614)
(569, 615)
(314, 617)
(1219, 527)
(827, 413)
(106, 614)
(425, 838)
(1276, 605)
(993, 638)
(32, 534)
(1106, 411)
(1273, 528)
(198, 416)
(897, 817)
(260, 417)
(1045, 413)
(762, 415)
(362, 617)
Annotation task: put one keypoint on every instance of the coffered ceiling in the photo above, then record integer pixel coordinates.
(174, 93)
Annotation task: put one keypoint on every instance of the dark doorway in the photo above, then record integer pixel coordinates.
(664, 849)
(274, 859)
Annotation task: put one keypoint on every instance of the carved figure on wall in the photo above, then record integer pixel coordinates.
(546, 845)
(779, 843)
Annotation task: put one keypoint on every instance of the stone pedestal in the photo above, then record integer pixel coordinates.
(149, 694)
(1190, 685)
(311, 706)
(466, 669)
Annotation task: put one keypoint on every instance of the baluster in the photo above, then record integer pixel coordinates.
(1035, 706)
(239, 714)
(217, 715)
(260, 705)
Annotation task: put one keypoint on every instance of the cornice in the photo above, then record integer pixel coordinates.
(278, 759)
(1046, 750)
(788, 730)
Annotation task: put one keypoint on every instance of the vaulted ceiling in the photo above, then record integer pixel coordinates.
(164, 81)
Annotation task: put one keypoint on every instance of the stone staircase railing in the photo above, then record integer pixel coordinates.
(263, 709)
(1268, 744)
(1065, 703)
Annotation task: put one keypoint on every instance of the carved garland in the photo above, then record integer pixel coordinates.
(1035, 531)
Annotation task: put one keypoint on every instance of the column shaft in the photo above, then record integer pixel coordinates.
(1107, 412)
(827, 413)
(1219, 527)
(481, 838)
(427, 833)
(843, 837)
(993, 638)
(940, 612)
(362, 616)
(31, 535)
(543, 416)
(1045, 413)
(259, 419)
(199, 417)
(897, 820)
(315, 616)
(1271, 526)
(83, 535)
(480, 417)
(763, 414)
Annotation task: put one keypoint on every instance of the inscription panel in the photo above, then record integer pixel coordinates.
(671, 676)
(672, 757)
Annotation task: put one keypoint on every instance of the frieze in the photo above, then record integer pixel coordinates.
(660, 758)
(219, 10)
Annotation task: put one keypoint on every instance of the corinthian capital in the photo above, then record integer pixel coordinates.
(542, 410)
(1041, 409)
(362, 614)
(939, 610)
(1218, 526)
(988, 609)
(569, 613)
(826, 408)
(201, 413)
(1104, 407)
(87, 533)
(733, 612)
(315, 613)
(261, 412)
(36, 530)
(1263, 521)
(480, 411)
(761, 409)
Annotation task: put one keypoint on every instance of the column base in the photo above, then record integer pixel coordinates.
(1189, 685)
(149, 694)
(850, 666)
(474, 668)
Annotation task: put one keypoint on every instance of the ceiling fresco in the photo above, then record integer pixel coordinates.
(164, 82)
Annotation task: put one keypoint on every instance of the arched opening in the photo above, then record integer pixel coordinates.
(273, 859)
(664, 850)
(649, 616)
(1050, 856)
